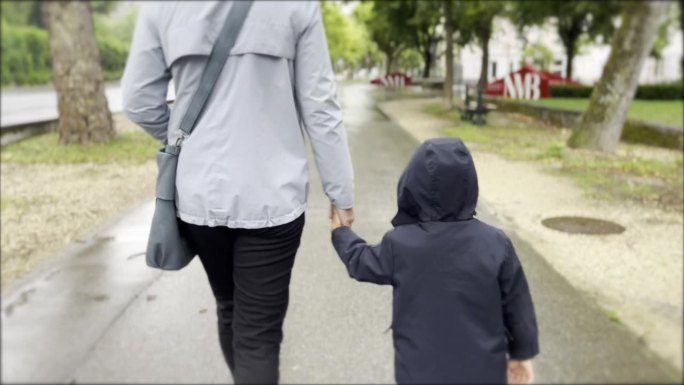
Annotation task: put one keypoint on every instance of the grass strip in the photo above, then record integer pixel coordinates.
(661, 111)
(133, 147)
(653, 182)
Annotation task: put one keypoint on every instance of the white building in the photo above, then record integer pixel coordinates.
(506, 52)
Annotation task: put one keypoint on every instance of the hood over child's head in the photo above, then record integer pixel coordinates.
(439, 184)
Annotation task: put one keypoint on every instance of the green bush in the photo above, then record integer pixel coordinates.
(662, 91)
(26, 58)
(113, 55)
(25, 55)
(113, 37)
(565, 91)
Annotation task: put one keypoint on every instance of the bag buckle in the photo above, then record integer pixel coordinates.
(180, 140)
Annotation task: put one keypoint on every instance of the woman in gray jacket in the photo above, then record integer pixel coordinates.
(242, 176)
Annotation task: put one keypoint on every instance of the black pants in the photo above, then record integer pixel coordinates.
(249, 273)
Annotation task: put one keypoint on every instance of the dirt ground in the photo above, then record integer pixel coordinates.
(47, 206)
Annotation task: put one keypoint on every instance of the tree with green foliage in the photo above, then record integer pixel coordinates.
(425, 22)
(458, 32)
(476, 24)
(539, 54)
(573, 19)
(448, 9)
(601, 123)
(362, 13)
(387, 27)
(411, 61)
(335, 31)
(84, 115)
(347, 37)
(407, 24)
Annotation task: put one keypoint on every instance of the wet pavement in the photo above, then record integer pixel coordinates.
(98, 314)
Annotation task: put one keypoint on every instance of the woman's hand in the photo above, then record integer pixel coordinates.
(340, 217)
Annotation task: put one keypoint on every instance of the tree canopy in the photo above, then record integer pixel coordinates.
(477, 26)
(404, 34)
(573, 20)
(348, 40)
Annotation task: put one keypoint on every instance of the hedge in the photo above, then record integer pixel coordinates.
(113, 55)
(663, 91)
(26, 56)
(564, 91)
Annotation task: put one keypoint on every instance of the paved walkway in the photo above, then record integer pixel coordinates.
(98, 314)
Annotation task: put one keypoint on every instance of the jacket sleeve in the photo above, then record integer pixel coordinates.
(320, 113)
(366, 263)
(146, 78)
(518, 310)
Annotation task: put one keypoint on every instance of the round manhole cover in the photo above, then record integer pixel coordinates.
(583, 225)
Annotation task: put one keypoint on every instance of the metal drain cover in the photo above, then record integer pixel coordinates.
(583, 225)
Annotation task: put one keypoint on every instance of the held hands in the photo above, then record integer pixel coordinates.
(520, 372)
(340, 217)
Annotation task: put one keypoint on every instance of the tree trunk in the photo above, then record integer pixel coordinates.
(570, 53)
(350, 72)
(427, 59)
(569, 32)
(449, 77)
(482, 84)
(601, 124)
(389, 62)
(84, 115)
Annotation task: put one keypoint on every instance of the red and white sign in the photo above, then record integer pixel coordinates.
(394, 79)
(527, 83)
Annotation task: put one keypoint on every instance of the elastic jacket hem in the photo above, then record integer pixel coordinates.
(240, 223)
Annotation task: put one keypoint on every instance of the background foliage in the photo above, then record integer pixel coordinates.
(405, 35)
(26, 53)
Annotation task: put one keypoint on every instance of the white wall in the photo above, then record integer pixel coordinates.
(506, 46)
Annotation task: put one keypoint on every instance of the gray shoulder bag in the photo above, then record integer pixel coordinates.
(166, 248)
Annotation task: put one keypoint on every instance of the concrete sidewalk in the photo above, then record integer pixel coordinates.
(97, 314)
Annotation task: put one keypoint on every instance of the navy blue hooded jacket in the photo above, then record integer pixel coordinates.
(461, 300)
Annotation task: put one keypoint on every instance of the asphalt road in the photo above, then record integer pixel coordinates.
(35, 104)
(96, 313)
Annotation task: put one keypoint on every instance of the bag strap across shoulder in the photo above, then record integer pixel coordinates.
(217, 59)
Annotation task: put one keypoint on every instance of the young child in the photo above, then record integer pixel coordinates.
(462, 310)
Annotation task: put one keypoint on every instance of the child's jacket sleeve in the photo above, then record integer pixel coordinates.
(367, 263)
(518, 310)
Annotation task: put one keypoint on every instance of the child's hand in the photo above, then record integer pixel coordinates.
(334, 218)
(520, 372)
